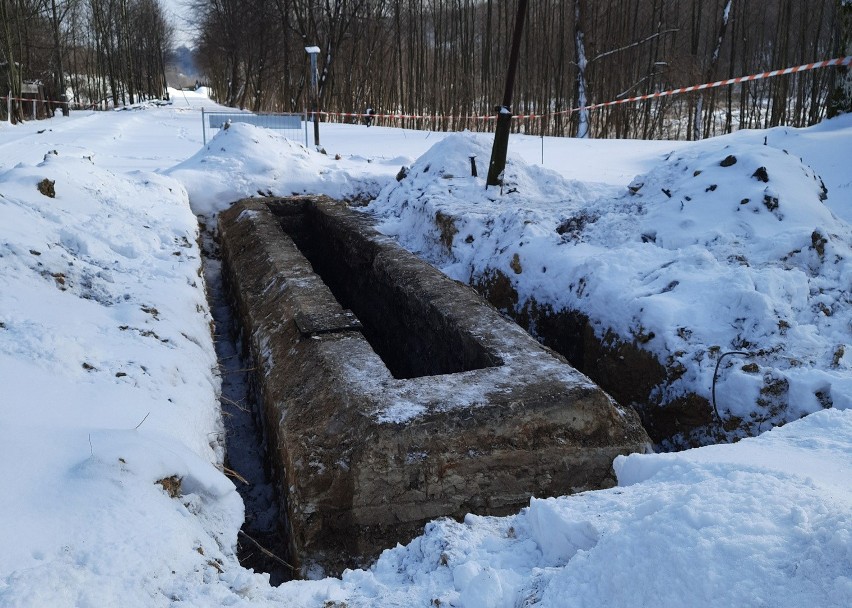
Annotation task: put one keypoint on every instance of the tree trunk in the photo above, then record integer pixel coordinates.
(582, 85)
(840, 101)
(13, 72)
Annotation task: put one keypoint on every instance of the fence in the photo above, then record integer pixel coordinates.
(33, 104)
(291, 124)
(477, 122)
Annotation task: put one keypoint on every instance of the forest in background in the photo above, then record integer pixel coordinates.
(95, 53)
(447, 59)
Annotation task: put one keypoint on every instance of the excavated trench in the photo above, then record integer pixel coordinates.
(390, 395)
(411, 342)
(261, 541)
(626, 371)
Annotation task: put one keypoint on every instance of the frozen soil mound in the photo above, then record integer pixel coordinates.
(244, 160)
(719, 249)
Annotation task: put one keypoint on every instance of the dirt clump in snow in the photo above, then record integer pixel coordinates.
(47, 187)
(171, 485)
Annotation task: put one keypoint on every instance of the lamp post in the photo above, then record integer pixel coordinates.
(313, 51)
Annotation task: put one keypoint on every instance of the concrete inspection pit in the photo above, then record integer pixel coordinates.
(390, 394)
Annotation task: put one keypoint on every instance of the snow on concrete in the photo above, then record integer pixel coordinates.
(110, 381)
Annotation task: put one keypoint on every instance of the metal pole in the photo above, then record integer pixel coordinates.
(504, 116)
(316, 112)
(203, 126)
(313, 51)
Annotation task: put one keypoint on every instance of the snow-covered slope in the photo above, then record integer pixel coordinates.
(727, 245)
(245, 160)
(109, 391)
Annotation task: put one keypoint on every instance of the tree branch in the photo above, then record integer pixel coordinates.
(632, 44)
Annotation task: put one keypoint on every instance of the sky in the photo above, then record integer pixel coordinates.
(180, 15)
(110, 425)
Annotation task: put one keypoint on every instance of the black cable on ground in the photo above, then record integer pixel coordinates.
(716, 374)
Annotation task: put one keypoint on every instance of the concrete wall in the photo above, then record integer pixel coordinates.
(477, 416)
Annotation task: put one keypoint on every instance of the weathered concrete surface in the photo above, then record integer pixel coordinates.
(478, 418)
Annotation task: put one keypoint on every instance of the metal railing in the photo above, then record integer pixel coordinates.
(295, 126)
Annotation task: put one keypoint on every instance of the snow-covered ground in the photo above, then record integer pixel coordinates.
(725, 245)
(110, 377)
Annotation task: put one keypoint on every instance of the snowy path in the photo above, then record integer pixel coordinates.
(144, 138)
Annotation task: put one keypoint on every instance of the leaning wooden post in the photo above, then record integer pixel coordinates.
(504, 115)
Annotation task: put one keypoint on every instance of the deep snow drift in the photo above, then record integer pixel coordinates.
(110, 378)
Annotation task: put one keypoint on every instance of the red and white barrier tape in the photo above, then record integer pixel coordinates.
(401, 116)
(839, 61)
(397, 116)
(78, 106)
(722, 83)
(6, 98)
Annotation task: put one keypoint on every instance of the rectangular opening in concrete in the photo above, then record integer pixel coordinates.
(413, 337)
(363, 460)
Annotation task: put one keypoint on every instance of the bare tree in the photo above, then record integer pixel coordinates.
(12, 15)
(841, 97)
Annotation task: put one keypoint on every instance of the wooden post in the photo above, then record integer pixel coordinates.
(504, 115)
